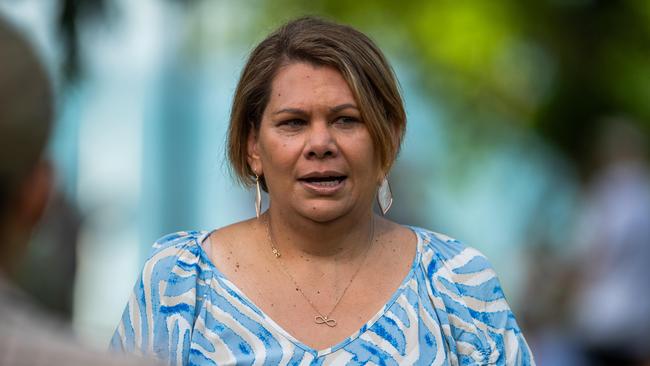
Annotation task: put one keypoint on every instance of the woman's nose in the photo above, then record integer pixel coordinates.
(321, 142)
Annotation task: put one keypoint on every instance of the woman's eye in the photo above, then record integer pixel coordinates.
(292, 123)
(345, 120)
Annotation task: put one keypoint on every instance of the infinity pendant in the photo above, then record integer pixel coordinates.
(319, 319)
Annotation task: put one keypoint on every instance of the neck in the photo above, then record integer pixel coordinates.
(340, 238)
(12, 247)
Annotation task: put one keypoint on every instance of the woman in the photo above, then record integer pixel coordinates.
(318, 278)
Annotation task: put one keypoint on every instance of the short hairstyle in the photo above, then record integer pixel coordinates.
(26, 110)
(322, 43)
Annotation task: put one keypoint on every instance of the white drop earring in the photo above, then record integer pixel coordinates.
(258, 197)
(384, 196)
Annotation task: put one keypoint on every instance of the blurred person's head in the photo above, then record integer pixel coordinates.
(26, 112)
(318, 43)
(620, 140)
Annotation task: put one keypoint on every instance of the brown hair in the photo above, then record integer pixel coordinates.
(26, 111)
(319, 42)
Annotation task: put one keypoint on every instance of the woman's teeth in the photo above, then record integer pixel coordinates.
(326, 183)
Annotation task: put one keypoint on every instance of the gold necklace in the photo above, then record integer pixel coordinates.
(320, 318)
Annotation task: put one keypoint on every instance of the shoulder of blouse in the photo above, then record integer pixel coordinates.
(181, 248)
(165, 289)
(445, 256)
(469, 298)
(175, 254)
(179, 239)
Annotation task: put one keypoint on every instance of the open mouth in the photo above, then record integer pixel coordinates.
(329, 181)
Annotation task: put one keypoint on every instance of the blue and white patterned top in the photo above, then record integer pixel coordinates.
(449, 310)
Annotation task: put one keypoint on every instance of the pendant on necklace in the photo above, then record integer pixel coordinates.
(319, 319)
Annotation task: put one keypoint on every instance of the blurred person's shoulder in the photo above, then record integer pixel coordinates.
(29, 335)
(51, 349)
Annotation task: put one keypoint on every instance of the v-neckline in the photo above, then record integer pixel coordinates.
(317, 353)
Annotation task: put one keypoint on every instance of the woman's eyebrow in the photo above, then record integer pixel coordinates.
(290, 110)
(336, 109)
(341, 107)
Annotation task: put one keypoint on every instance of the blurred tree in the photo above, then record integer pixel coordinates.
(603, 52)
(72, 15)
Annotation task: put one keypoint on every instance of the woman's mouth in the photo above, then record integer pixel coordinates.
(325, 185)
(324, 181)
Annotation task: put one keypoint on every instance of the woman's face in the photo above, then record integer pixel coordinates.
(312, 147)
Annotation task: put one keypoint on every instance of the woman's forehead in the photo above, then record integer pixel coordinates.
(302, 85)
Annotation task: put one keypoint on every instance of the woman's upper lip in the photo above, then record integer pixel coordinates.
(323, 174)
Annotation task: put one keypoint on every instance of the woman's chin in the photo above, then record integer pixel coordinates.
(323, 213)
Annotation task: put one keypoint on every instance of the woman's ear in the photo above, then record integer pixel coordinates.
(34, 194)
(253, 156)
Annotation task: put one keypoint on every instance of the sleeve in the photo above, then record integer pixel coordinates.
(159, 315)
(482, 327)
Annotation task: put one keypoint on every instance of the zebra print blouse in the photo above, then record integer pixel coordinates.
(449, 310)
